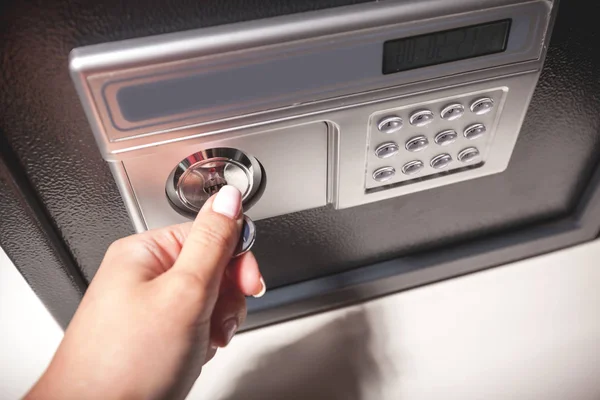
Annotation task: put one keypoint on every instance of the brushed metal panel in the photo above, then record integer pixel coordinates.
(294, 158)
(331, 54)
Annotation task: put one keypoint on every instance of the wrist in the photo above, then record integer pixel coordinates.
(60, 383)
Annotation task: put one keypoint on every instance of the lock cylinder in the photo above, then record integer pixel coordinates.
(197, 177)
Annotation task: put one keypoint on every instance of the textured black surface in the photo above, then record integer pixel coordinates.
(42, 259)
(45, 125)
(41, 115)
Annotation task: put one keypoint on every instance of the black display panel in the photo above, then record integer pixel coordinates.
(447, 46)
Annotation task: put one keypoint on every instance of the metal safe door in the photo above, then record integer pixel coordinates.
(383, 99)
(384, 169)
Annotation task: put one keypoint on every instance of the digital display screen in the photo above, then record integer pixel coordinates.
(447, 46)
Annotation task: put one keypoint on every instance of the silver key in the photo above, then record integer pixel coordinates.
(247, 237)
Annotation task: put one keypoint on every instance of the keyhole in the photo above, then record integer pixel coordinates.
(214, 183)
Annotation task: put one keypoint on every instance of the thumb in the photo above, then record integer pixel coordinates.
(210, 244)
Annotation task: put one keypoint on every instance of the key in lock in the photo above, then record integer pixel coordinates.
(195, 182)
(201, 180)
(206, 180)
(214, 183)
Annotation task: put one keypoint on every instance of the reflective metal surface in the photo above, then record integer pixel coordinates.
(475, 131)
(421, 118)
(391, 124)
(173, 71)
(384, 174)
(425, 141)
(446, 137)
(351, 108)
(482, 106)
(417, 143)
(200, 175)
(468, 155)
(452, 111)
(294, 161)
(412, 167)
(441, 161)
(388, 149)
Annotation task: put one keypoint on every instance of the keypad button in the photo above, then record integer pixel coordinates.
(452, 111)
(468, 155)
(421, 118)
(388, 149)
(474, 131)
(441, 161)
(390, 124)
(482, 106)
(446, 137)
(417, 143)
(412, 167)
(384, 174)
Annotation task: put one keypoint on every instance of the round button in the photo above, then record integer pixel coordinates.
(452, 111)
(387, 149)
(468, 155)
(421, 118)
(390, 124)
(412, 167)
(474, 131)
(441, 161)
(482, 106)
(446, 137)
(417, 143)
(384, 174)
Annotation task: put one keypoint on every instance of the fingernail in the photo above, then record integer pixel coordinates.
(229, 327)
(228, 202)
(263, 289)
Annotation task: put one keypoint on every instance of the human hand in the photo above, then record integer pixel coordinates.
(160, 304)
